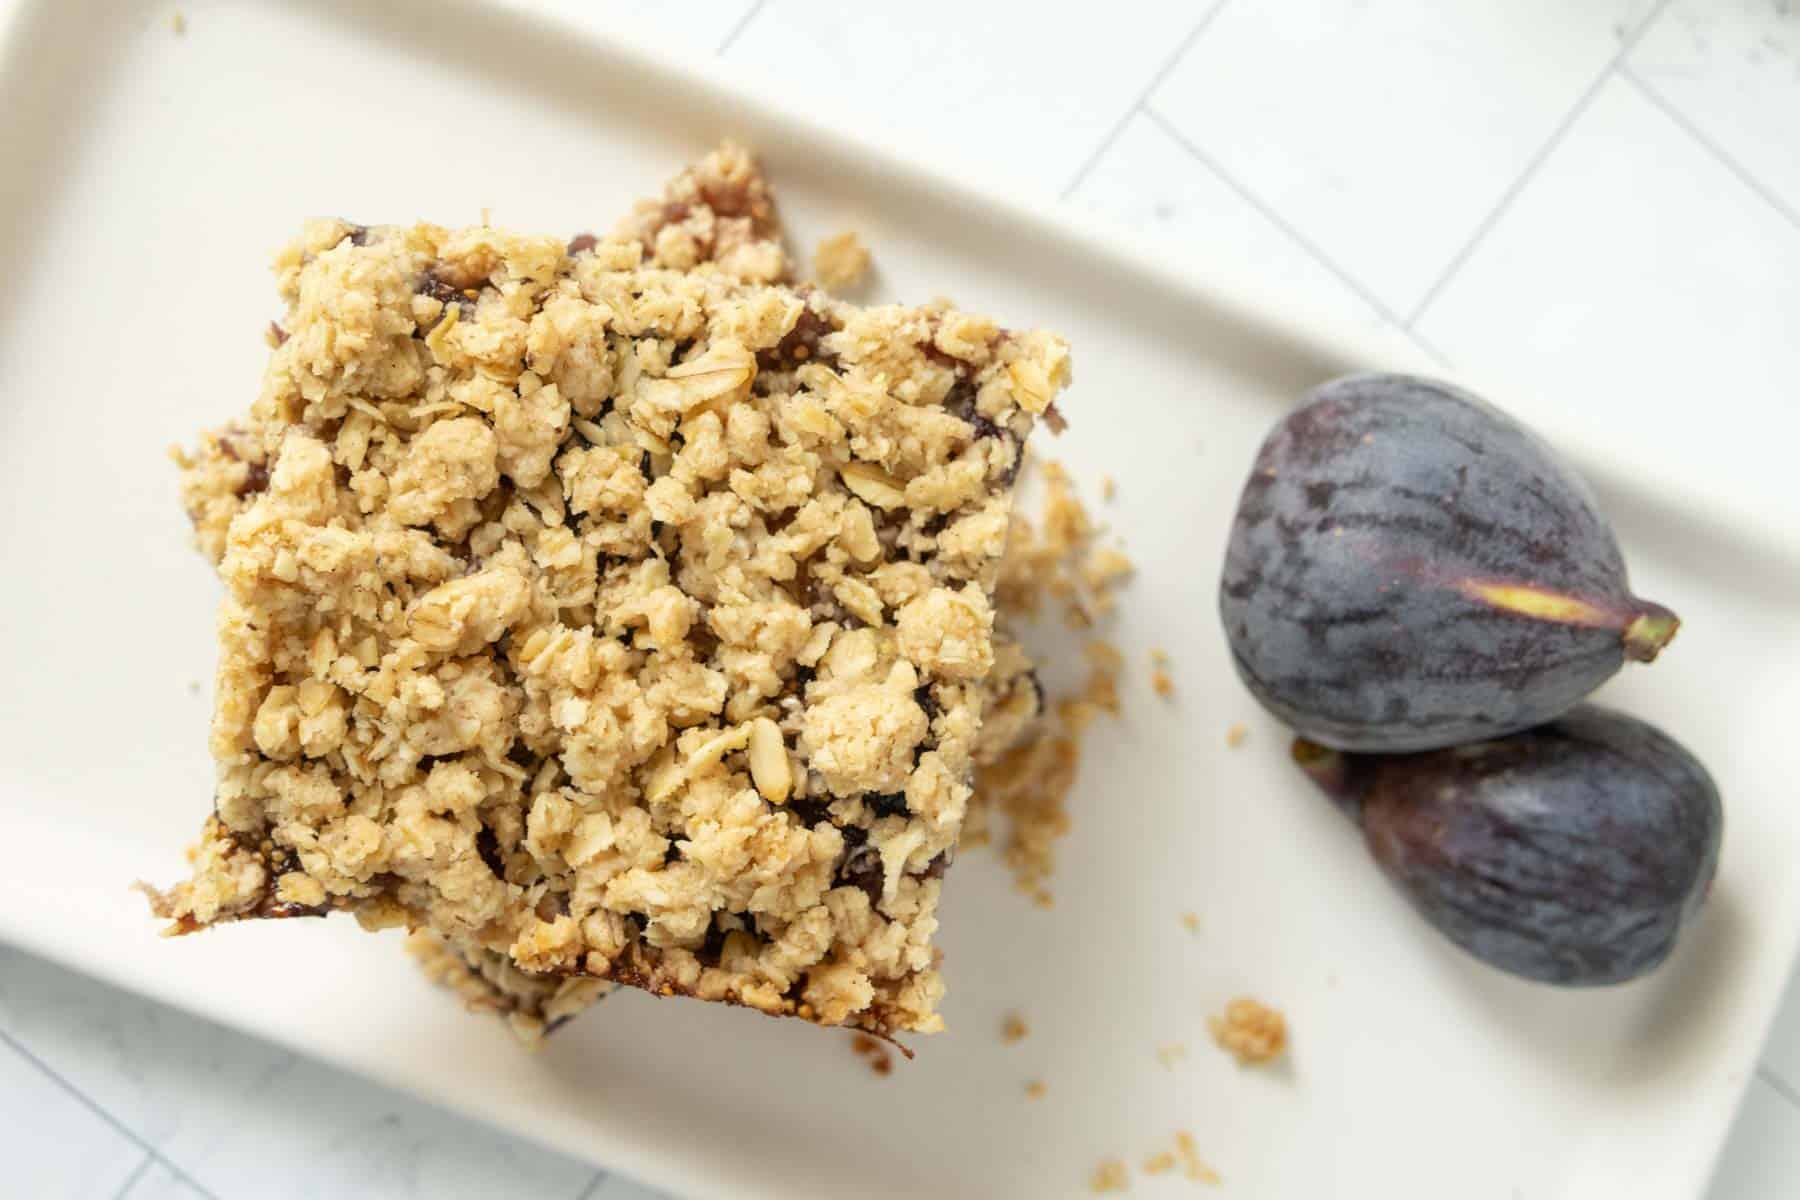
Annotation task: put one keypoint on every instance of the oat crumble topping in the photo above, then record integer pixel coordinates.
(610, 607)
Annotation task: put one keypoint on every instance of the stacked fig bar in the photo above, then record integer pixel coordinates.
(611, 611)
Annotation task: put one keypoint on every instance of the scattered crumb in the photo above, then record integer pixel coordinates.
(841, 260)
(1076, 715)
(1102, 655)
(1161, 684)
(1013, 1029)
(1191, 1164)
(1250, 1030)
(873, 1053)
(1185, 1156)
(193, 687)
(1035, 1090)
(1108, 489)
(275, 335)
(1160, 1163)
(1159, 657)
(1190, 921)
(1027, 787)
(1103, 691)
(1105, 567)
(1237, 735)
(1044, 560)
(1111, 1175)
(1170, 1053)
(487, 215)
(178, 22)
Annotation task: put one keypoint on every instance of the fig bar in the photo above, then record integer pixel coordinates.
(611, 606)
(537, 1005)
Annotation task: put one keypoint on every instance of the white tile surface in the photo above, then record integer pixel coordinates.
(1732, 67)
(54, 1144)
(224, 1106)
(1386, 130)
(1631, 227)
(1762, 1159)
(699, 26)
(157, 1182)
(617, 1187)
(1016, 85)
(1782, 1054)
(1354, 149)
(1149, 182)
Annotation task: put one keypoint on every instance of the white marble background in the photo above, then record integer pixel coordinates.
(1583, 174)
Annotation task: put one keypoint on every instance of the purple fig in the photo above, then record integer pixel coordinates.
(1573, 853)
(1410, 568)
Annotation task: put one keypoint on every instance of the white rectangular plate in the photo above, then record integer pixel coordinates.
(148, 177)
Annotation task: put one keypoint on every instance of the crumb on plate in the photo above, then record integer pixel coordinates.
(1013, 1029)
(1190, 921)
(841, 260)
(1170, 1053)
(1237, 735)
(1025, 782)
(1192, 1165)
(1035, 1089)
(873, 1053)
(1251, 1030)
(1110, 1175)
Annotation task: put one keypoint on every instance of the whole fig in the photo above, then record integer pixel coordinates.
(1410, 568)
(1572, 853)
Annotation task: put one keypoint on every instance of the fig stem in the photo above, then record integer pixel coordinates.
(1649, 631)
(1332, 771)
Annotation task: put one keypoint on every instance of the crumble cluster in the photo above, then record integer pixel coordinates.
(610, 609)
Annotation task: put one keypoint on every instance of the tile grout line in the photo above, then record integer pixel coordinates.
(131, 1180)
(1269, 214)
(1537, 160)
(1737, 169)
(88, 1103)
(1777, 1084)
(742, 24)
(1137, 105)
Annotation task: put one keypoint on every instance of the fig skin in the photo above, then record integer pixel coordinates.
(1574, 853)
(1409, 568)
